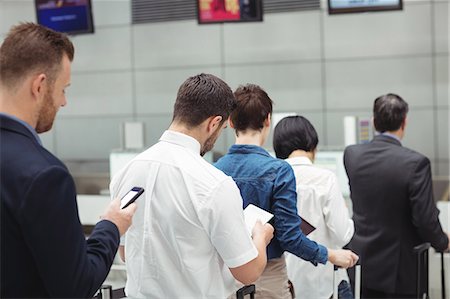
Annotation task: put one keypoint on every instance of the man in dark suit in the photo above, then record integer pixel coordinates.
(44, 252)
(393, 207)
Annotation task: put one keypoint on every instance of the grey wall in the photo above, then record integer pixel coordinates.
(321, 66)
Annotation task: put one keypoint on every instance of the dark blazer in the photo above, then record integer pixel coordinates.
(44, 252)
(393, 211)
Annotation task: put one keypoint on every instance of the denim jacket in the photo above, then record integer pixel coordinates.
(269, 183)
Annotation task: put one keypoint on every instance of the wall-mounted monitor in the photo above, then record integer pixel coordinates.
(350, 6)
(221, 11)
(69, 16)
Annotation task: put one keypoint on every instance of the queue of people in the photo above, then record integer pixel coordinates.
(186, 236)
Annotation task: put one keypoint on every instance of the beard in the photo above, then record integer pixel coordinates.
(47, 114)
(209, 143)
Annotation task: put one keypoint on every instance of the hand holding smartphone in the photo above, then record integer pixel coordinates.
(131, 196)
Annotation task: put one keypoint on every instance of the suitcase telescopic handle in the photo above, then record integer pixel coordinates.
(357, 281)
(246, 290)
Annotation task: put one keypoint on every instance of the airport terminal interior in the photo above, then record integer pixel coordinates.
(328, 66)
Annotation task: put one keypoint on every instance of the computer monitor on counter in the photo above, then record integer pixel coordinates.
(334, 161)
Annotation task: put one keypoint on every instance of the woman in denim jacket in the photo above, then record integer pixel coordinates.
(269, 183)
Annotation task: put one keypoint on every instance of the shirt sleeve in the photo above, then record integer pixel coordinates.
(223, 219)
(287, 221)
(69, 265)
(425, 214)
(336, 214)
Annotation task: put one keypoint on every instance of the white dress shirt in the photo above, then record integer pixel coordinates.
(188, 229)
(320, 202)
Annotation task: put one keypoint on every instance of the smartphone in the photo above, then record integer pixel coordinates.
(131, 196)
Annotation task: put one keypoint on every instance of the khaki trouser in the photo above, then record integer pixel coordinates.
(273, 283)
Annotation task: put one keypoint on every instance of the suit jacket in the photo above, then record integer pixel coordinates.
(44, 252)
(393, 211)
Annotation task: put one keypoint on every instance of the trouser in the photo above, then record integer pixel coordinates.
(273, 283)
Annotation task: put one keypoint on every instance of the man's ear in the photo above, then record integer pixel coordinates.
(268, 120)
(404, 123)
(214, 122)
(38, 86)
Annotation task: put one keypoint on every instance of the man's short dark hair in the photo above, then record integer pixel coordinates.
(389, 112)
(253, 107)
(201, 97)
(294, 133)
(31, 48)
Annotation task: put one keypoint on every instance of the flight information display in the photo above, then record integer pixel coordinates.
(220, 11)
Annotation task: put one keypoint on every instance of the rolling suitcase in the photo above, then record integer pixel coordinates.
(357, 292)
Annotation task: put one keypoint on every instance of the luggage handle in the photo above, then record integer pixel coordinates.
(443, 273)
(422, 287)
(246, 290)
(357, 294)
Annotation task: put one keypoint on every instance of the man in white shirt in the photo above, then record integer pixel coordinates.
(320, 202)
(188, 238)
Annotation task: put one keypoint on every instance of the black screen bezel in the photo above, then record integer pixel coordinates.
(331, 10)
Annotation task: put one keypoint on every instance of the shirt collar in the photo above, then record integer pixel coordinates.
(25, 124)
(182, 140)
(391, 135)
(299, 161)
(248, 149)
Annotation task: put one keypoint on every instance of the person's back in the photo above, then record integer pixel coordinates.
(171, 232)
(393, 207)
(322, 205)
(320, 202)
(261, 179)
(188, 235)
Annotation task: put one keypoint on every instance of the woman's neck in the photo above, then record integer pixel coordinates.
(302, 153)
(251, 137)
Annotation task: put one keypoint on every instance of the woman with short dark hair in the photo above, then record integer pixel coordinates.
(320, 202)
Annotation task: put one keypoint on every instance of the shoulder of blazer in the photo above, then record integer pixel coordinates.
(39, 154)
(14, 126)
(397, 147)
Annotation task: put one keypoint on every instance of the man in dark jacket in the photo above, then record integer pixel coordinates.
(44, 252)
(393, 206)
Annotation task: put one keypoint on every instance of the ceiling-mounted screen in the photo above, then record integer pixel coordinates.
(220, 11)
(349, 6)
(69, 16)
